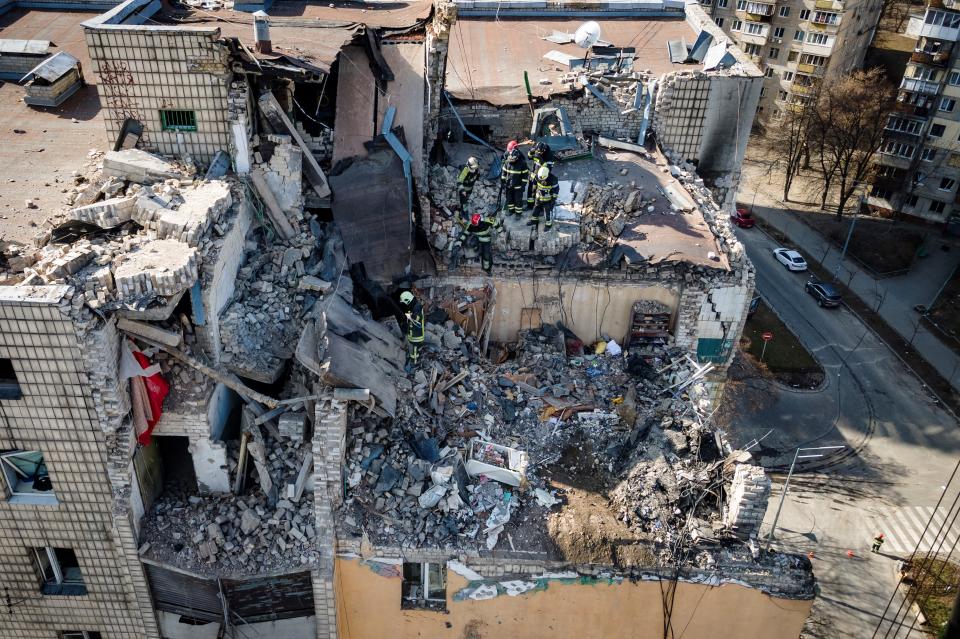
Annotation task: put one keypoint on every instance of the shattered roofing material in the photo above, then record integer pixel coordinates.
(29, 47)
(487, 58)
(54, 67)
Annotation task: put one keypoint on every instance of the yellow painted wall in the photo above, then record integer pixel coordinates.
(368, 607)
(589, 309)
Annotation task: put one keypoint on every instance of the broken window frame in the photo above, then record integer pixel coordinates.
(21, 484)
(178, 120)
(426, 595)
(9, 384)
(54, 576)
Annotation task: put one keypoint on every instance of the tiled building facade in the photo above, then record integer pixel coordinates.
(68, 551)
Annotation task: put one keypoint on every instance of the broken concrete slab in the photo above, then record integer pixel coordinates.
(157, 334)
(106, 213)
(273, 208)
(138, 166)
(166, 267)
(348, 364)
(272, 110)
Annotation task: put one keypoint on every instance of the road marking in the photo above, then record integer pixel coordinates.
(902, 527)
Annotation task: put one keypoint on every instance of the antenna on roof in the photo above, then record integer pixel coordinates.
(587, 35)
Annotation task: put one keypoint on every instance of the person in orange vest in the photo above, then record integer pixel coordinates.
(877, 542)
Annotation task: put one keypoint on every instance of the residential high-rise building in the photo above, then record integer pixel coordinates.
(918, 164)
(797, 42)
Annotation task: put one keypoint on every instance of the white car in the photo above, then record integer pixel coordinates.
(790, 258)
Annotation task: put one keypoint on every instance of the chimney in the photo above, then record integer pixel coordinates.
(261, 32)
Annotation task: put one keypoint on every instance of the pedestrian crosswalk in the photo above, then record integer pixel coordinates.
(902, 528)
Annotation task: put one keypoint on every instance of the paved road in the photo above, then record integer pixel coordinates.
(900, 449)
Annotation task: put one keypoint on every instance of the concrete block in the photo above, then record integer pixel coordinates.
(136, 165)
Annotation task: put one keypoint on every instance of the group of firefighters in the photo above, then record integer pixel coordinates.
(522, 185)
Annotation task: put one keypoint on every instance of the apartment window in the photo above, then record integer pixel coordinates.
(9, 386)
(755, 28)
(178, 120)
(741, 5)
(954, 78)
(798, 35)
(787, 76)
(912, 200)
(705, 3)
(936, 130)
(825, 17)
(943, 18)
(880, 193)
(936, 207)
(928, 155)
(736, 26)
(818, 38)
(813, 60)
(792, 56)
(784, 12)
(947, 184)
(774, 53)
(79, 634)
(904, 125)
(769, 72)
(781, 95)
(923, 73)
(778, 32)
(760, 108)
(888, 172)
(804, 14)
(424, 586)
(722, 4)
(752, 49)
(947, 104)
(900, 149)
(59, 571)
(763, 91)
(26, 477)
(719, 22)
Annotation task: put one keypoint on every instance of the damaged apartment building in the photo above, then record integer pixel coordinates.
(206, 424)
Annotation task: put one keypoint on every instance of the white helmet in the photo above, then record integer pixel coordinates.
(543, 173)
(472, 163)
(406, 298)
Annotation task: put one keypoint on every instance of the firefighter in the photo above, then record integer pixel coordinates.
(540, 156)
(547, 188)
(416, 327)
(514, 175)
(877, 542)
(481, 232)
(466, 179)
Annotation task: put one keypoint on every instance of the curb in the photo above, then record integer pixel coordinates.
(890, 348)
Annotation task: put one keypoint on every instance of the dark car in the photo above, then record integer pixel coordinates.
(826, 294)
(743, 218)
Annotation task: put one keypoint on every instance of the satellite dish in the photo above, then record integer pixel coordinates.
(587, 35)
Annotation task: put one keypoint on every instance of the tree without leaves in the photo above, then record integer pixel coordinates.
(847, 126)
(792, 133)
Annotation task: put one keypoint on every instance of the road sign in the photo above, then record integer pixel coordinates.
(766, 336)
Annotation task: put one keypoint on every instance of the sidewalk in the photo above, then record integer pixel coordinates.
(893, 298)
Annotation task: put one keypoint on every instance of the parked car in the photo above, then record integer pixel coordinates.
(790, 258)
(743, 218)
(825, 293)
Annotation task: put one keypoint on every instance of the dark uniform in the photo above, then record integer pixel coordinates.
(515, 176)
(482, 232)
(465, 181)
(544, 199)
(416, 331)
(540, 156)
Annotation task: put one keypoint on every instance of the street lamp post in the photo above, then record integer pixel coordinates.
(786, 484)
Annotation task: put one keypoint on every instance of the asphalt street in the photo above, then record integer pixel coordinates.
(899, 449)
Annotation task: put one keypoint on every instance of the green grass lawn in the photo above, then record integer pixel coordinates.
(934, 589)
(785, 357)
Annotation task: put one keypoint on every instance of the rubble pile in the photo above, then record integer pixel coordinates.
(234, 534)
(411, 483)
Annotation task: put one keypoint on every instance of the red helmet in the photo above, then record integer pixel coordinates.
(475, 219)
(880, 536)
(511, 145)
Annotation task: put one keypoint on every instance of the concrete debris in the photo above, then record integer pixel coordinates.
(136, 165)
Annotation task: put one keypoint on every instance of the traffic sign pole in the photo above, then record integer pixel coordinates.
(766, 336)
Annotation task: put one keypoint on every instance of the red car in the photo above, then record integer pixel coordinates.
(742, 218)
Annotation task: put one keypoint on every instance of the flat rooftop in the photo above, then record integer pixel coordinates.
(42, 146)
(488, 57)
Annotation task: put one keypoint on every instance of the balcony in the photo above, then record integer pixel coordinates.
(898, 161)
(932, 59)
(912, 109)
(810, 69)
(936, 24)
(802, 89)
(923, 87)
(819, 49)
(828, 5)
(751, 38)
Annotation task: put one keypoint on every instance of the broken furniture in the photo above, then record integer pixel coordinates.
(504, 464)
